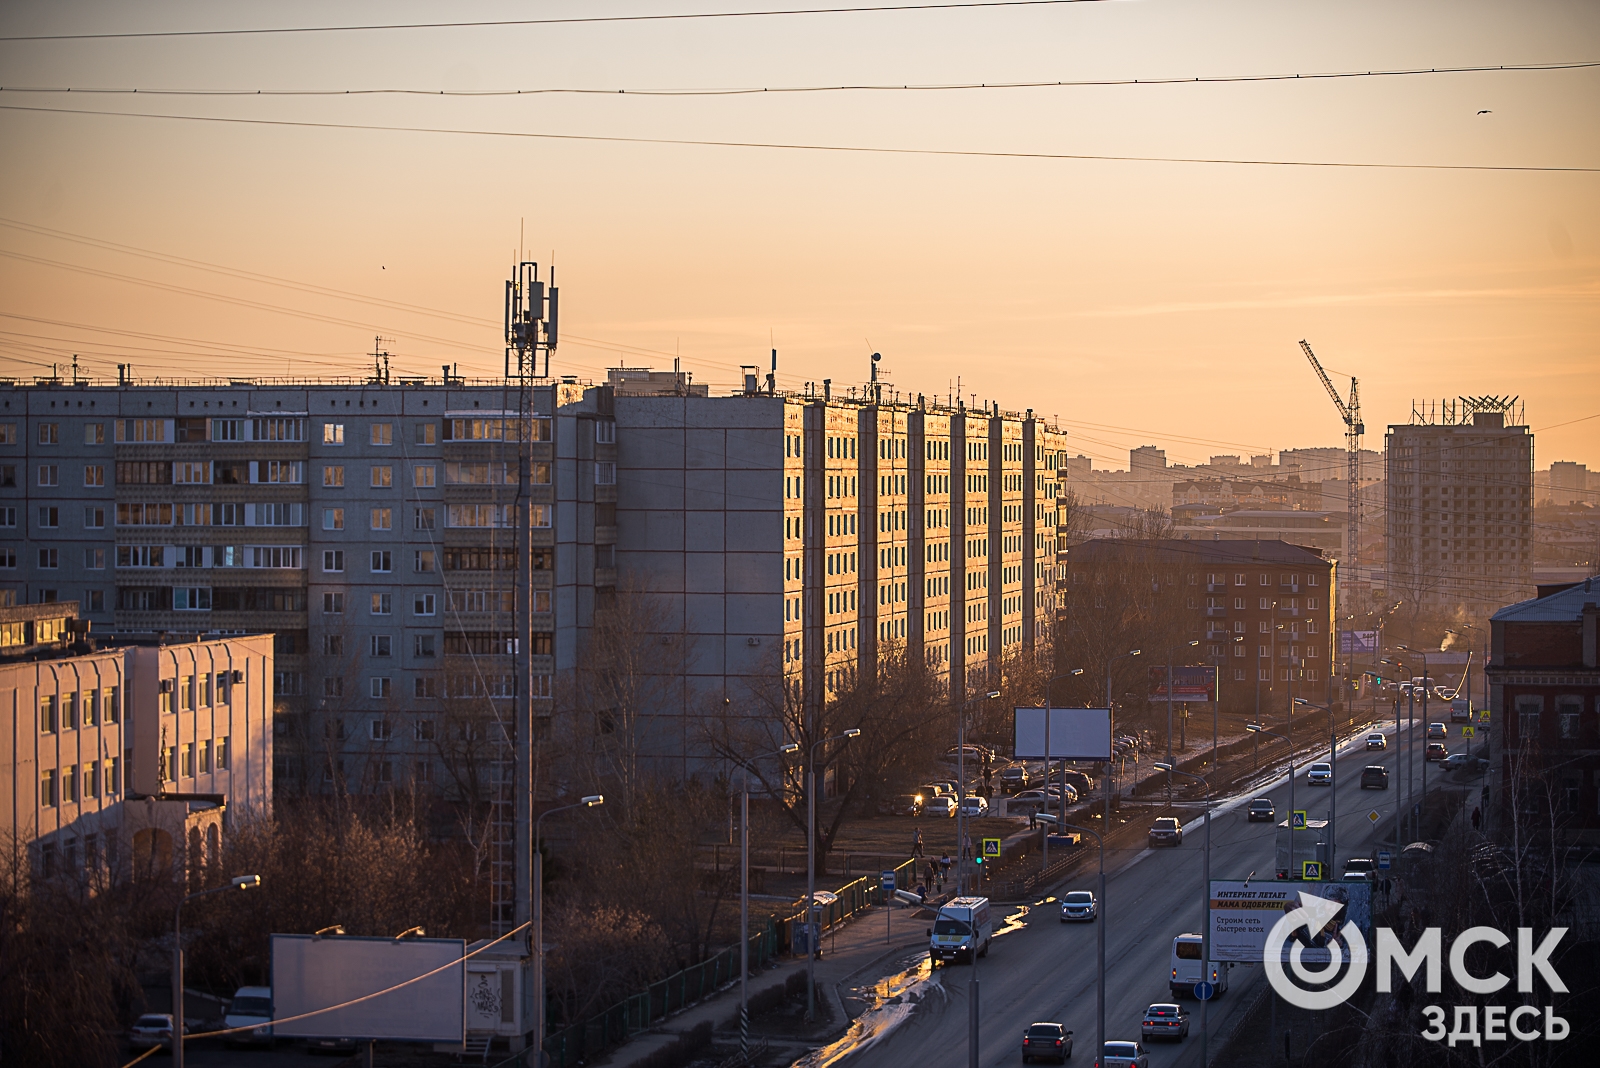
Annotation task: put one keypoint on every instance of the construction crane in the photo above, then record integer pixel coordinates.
(1350, 412)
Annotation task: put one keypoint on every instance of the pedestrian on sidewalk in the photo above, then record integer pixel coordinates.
(966, 848)
(916, 843)
(944, 868)
(933, 872)
(1477, 817)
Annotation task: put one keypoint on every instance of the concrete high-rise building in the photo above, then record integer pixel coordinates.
(1459, 517)
(371, 528)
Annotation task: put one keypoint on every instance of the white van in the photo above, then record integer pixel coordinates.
(250, 1005)
(961, 931)
(1187, 967)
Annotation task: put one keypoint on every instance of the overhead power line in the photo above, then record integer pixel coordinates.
(568, 21)
(803, 147)
(1079, 83)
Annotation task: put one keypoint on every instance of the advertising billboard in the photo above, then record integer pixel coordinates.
(1358, 643)
(1188, 683)
(1241, 914)
(1075, 734)
(311, 973)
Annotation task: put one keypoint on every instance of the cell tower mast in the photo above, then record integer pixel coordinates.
(1350, 412)
(531, 311)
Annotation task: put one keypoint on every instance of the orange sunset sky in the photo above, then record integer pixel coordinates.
(1139, 302)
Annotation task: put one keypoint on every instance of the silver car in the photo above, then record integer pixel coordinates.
(1078, 905)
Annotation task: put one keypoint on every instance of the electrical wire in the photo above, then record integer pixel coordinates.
(568, 21)
(795, 146)
(1078, 83)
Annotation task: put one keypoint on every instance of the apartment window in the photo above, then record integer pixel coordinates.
(205, 757)
(382, 519)
(381, 645)
(1568, 710)
(49, 475)
(48, 722)
(379, 688)
(49, 517)
(333, 560)
(49, 559)
(605, 432)
(541, 515)
(333, 686)
(47, 788)
(541, 473)
(95, 600)
(422, 604)
(427, 434)
(422, 645)
(333, 476)
(425, 686)
(94, 518)
(49, 433)
(385, 772)
(382, 476)
(94, 475)
(94, 433)
(186, 473)
(188, 760)
(114, 775)
(381, 562)
(382, 603)
(8, 558)
(8, 517)
(333, 433)
(605, 473)
(8, 433)
(422, 518)
(333, 645)
(332, 603)
(1266, 580)
(424, 771)
(333, 519)
(91, 779)
(382, 434)
(224, 753)
(422, 562)
(422, 476)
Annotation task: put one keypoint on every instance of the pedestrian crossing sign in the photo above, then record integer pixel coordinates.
(1483, 715)
(991, 848)
(1311, 870)
(1297, 819)
(1466, 730)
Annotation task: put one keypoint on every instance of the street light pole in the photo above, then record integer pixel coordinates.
(744, 896)
(538, 923)
(241, 882)
(813, 929)
(1168, 688)
(961, 854)
(1205, 915)
(1100, 946)
(1105, 826)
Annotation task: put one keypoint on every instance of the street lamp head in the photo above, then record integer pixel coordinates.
(245, 882)
(1077, 671)
(336, 929)
(593, 800)
(792, 747)
(1135, 652)
(853, 732)
(409, 931)
(1162, 765)
(1195, 642)
(1253, 727)
(992, 694)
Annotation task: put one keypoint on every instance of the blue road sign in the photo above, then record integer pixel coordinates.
(888, 880)
(1383, 860)
(1205, 991)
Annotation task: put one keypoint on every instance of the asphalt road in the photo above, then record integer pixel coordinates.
(1043, 969)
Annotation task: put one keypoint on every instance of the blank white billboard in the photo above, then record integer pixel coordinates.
(1075, 734)
(311, 973)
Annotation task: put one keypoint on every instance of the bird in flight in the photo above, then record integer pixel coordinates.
(1485, 111)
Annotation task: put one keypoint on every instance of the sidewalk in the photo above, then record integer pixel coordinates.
(846, 950)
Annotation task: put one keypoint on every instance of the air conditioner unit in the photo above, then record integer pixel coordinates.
(238, 676)
(166, 685)
(752, 641)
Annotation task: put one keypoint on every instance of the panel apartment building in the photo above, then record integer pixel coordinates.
(371, 528)
(1459, 519)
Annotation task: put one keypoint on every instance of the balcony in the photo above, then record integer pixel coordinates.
(1215, 612)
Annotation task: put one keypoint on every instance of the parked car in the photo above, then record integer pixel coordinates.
(1377, 741)
(1457, 761)
(1436, 751)
(1123, 1055)
(1320, 774)
(973, 805)
(1014, 777)
(151, 1029)
(948, 788)
(1078, 780)
(941, 806)
(1165, 1019)
(1374, 777)
(905, 805)
(1166, 831)
(250, 1005)
(1362, 866)
(1437, 732)
(1046, 1040)
(1261, 810)
(1077, 905)
(930, 790)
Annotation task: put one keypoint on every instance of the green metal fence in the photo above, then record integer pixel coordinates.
(581, 1041)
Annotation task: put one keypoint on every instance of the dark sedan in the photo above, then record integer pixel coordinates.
(1261, 809)
(1046, 1040)
(1166, 831)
